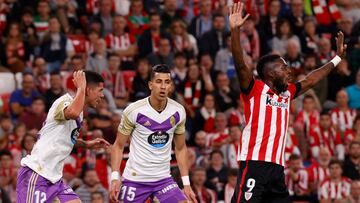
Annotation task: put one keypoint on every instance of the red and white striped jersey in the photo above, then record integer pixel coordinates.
(324, 138)
(343, 119)
(267, 116)
(349, 136)
(119, 43)
(298, 186)
(317, 174)
(78, 42)
(331, 190)
(291, 145)
(309, 120)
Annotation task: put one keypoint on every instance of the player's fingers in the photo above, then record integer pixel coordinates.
(241, 7)
(246, 17)
(231, 9)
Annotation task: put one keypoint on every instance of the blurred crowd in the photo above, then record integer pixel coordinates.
(44, 41)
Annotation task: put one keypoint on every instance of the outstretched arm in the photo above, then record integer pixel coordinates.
(315, 76)
(236, 21)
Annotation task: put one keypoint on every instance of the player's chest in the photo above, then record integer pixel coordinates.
(270, 99)
(148, 123)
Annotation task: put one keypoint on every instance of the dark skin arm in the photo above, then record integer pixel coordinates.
(236, 21)
(315, 76)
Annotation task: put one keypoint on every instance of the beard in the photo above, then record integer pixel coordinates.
(279, 85)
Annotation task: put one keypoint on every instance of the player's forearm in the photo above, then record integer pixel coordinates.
(182, 160)
(116, 156)
(80, 143)
(76, 107)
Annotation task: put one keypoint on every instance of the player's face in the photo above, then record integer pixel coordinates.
(95, 94)
(281, 75)
(160, 85)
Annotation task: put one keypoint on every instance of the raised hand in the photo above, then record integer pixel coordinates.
(97, 143)
(79, 79)
(235, 15)
(340, 46)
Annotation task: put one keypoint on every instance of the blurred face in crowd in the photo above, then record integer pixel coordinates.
(205, 7)
(180, 62)
(206, 62)
(105, 7)
(222, 81)
(27, 19)
(28, 83)
(355, 189)
(200, 139)
(297, 7)
(324, 46)
(97, 198)
(40, 66)
(295, 165)
(209, 102)
(325, 121)
(285, 28)
(346, 25)
(219, 23)
(170, 5)
(235, 133)
(232, 180)
(249, 27)
(54, 25)
(198, 177)
(342, 98)
(354, 151)
(6, 124)
(136, 7)
(6, 162)
(55, 82)
(91, 178)
(114, 63)
(216, 160)
(308, 104)
(310, 63)
(310, 27)
(178, 27)
(43, 8)
(155, 22)
(29, 142)
(193, 72)
(293, 49)
(77, 64)
(274, 8)
(324, 157)
(119, 24)
(220, 122)
(100, 47)
(14, 30)
(335, 171)
(38, 106)
(164, 47)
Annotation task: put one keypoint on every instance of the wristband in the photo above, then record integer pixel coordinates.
(336, 60)
(115, 175)
(185, 180)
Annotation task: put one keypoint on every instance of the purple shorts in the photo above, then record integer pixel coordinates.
(31, 187)
(165, 190)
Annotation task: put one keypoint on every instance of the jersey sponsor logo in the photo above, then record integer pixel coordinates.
(75, 133)
(248, 195)
(272, 102)
(158, 139)
(168, 188)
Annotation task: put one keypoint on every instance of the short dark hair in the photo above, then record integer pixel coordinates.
(93, 77)
(325, 112)
(5, 152)
(97, 193)
(56, 72)
(38, 98)
(233, 172)
(152, 14)
(294, 157)
(77, 56)
(180, 54)
(263, 62)
(308, 96)
(334, 162)
(217, 15)
(354, 143)
(216, 151)
(160, 68)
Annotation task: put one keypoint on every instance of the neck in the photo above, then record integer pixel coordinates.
(217, 167)
(155, 31)
(336, 180)
(171, 13)
(158, 105)
(354, 160)
(26, 93)
(272, 86)
(343, 108)
(119, 32)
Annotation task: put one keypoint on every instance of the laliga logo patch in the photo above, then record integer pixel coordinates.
(248, 195)
(74, 135)
(158, 139)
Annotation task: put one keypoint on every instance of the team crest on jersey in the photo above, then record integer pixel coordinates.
(248, 195)
(172, 121)
(158, 139)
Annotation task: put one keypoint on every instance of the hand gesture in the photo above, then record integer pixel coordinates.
(235, 15)
(114, 190)
(340, 46)
(189, 193)
(97, 143)
(79, 79)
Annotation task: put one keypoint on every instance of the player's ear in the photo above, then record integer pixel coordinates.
(150, 85)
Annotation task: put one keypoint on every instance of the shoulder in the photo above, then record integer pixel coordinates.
(175, 104)
(135, 106)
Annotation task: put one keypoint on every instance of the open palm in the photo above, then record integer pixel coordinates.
(235, 15)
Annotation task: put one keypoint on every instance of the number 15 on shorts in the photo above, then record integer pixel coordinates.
(128, 193)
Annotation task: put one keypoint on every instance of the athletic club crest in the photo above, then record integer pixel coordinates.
(248, 195)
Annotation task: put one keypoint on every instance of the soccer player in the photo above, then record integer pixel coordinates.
(267, 101)
(39, 179)
(151, 124)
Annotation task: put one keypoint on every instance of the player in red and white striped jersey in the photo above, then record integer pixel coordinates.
(335, 188)
(267, 102)
(296, 177)
(342, 116)
(325, 135)
(319, 169)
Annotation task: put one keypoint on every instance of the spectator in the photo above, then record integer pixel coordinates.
(329, 187)
(121, 42)
(224, 60)
(202, 23)
(202, 150)
(203, 194)
(91, 184)
(179, 71)
(182, 40)
(93, 37)
(217, 173)
(27, 144)
(97, 197)
(230, 185)
(296, 17)
(251, 40)
(41, 75)
(292, 143)
(41, 21)
(6, 126)
(76, 63)
(220, 135)
(309, 38)
(354, 92)
(140, 82)
(35, 117)
(325, 135)
(98, 60)
(308, 117)
(55, 91)
(207, 70)
(105, 16)
(21, 99)
(217, 37)
(164, 54)
(325, 51)
(55, 47)
(351, 165)
(319, 169)
(8, 174)
(230, 150)
(28, 29)
(150, 38)
(354, 192)
(296, 178)
(294, 58)
(170, 14)
(342, 116)
(138, 19)
(205, 116)
(225, 97)
(283, 35)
